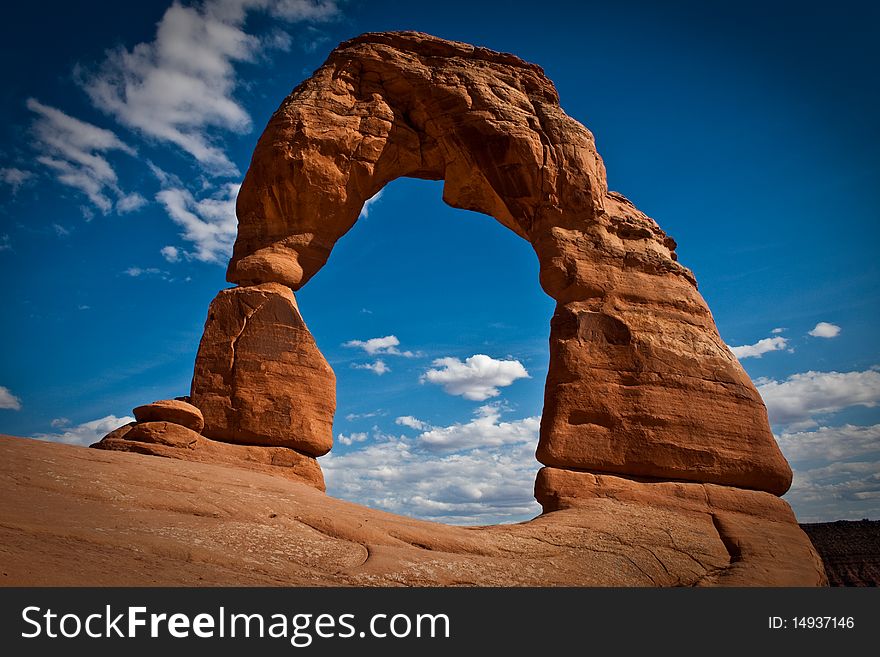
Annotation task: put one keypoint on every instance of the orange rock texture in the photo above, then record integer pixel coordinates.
(640, 382)
(662, 469)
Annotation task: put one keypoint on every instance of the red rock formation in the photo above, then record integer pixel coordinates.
(640, 383)
(234, 527)
(171, 410)
(259, 376)
(660, 450)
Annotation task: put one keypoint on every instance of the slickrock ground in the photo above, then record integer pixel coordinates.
(76, 516)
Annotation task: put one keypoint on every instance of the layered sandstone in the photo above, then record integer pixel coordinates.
(259, 376)
(640, 382)
(166, 428)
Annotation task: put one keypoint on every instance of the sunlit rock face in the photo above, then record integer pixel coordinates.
(640, 383)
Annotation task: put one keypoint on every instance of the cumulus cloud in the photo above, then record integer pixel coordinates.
(485, 430)
(836, 473)
(477, 378)
(825, 330)
(760, 348)
(179, 87)
(377, 367)
(387, 345)
(15, 178)
(804, 396)
(208, 223)
(777, 331)
(350, 439)
(74, 151)
(87, 432)
(476, 482)
(9, 401)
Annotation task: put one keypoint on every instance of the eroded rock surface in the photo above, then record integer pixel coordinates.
(74, 516)
(640, 383)
(259, 376)
(171, 410)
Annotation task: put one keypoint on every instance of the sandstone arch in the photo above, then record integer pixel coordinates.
(640, 383)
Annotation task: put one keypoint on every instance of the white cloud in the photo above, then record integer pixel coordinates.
(74, 151)
(15, 178)
(209, 223)
(412, 423)
(9, 401)
(350, 439)
(87, 432)
(59, 422)
(365, 211)
(378, 367)
(477, 378)
(359, 416)
(803, 396)
(387, 345)
(5, 243)
(134, 272)
(825, 330)
(130, 203)
(836, 472)
(484, 430)
(60, 230)
(481, 482)
(178, 88)
(777, 331)
(760, 348)
(170, 253)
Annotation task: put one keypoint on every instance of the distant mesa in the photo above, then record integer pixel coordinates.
(643, 400)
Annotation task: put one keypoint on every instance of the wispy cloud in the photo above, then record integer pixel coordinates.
(802, 398)
(8, 401)
(179, 87)
(74, 151)
(87, 432)
(208, 223)
(368, 205)
(760, 348)
(477, 378)
(825, 330)
(15, 178)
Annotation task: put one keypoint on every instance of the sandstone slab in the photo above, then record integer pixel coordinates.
(177, 442)
(171, 410)
(71, 516)
(259, 377)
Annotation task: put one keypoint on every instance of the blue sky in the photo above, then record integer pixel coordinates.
(748, 133)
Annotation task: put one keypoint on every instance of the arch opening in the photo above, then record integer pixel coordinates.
(444, 283)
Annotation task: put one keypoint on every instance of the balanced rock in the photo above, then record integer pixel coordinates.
(178, 442)
(171, 410)
(259, 377)
(640, 382)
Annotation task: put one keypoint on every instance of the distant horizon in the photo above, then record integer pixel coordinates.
(127, 131)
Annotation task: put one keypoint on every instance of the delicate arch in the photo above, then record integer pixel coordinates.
(639, 384)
